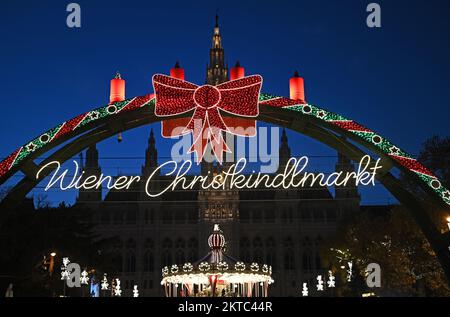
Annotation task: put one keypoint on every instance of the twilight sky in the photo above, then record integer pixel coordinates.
(394, 79)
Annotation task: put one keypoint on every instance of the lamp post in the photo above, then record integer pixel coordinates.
(448, 222)
(51, 265)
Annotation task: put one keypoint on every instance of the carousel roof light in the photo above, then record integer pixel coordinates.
(216, 267)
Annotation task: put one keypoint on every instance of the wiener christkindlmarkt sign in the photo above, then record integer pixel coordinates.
(208, 109)
(207, 126)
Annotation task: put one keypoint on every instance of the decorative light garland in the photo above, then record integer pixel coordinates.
(368, 136)
(12, 162)
(70, 126)
(223, 266)
(187, 267)
(174, 269)
(204, 266)
(239, 266)
(254, 267)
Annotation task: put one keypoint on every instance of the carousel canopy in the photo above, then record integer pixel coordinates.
(217, 265)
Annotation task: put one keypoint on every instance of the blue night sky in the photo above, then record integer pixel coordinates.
(395, 79)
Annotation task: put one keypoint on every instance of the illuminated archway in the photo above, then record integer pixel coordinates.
(325, 126)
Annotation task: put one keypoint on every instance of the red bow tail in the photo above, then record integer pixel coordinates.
(207, 126)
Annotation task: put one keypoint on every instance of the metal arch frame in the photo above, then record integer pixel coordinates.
(139, 111)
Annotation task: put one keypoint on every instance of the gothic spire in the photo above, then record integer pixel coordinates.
(151, 154)
(92, 157)
(285, 150)
(90, 168)
(217, 69)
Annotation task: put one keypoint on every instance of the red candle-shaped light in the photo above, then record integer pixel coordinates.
(117, 92)
(297, 88)
(177, 72)
(237, 72)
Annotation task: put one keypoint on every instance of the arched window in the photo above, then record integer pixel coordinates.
(244, 215)
(179, 243)
(290, 215)
(257, 215)
(130, 265)
(244, 242)
(284, 216)
(105, 217)
(269, 215)
(258, 250)
(244, 249)
(117, 217)
(257, 242)
(318, 257)
(289, 260)
(258, 256)
(166, 255)
(118, 256)
(271, 255)
(193, 216)
(289, 254)
(305, 215)
(166, 258)
(179, 257)
(270, 243)
(318, 215)
(287, 215)
(307, 255)
(166, 217)
(180, 216)
(192, 250)
(130, 216)
(148, 216)
(331, 215)
(149, 261)
(131, 261)
(271, 258)
(307, 260)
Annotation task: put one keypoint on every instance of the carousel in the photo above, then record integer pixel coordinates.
(217, 274)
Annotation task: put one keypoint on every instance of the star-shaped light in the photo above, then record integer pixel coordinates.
(31, 147)
(446, 195)
(93, 115)
(394, 150)
(321, 114)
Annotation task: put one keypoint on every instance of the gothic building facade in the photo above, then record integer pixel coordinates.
(283, 228)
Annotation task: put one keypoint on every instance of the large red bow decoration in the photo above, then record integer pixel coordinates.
(238, 97)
